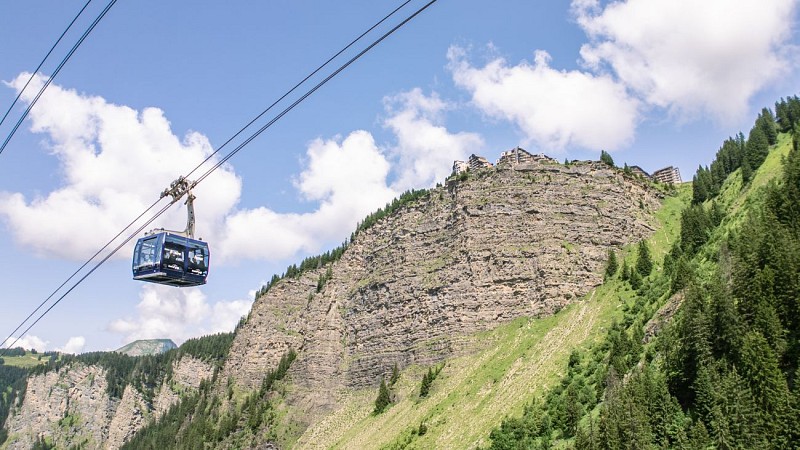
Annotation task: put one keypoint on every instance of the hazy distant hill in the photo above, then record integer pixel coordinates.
(147, 347)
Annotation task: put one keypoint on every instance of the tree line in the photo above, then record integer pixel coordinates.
(199, 419)
(746, 154)
(147, 372)
(319, 261)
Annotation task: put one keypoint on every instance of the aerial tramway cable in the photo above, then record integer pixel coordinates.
(55, 72)
(35, 71)
(314, 72)
(96, 266)
(314, 89)
(88, 261)
(219, 163)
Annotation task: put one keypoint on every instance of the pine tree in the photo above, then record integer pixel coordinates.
(606, 158)
(747, 171)
(702, 185)
(644, 263)
(611, 264)
(625, 275)
(635, 279)
(766, 121)
(757, 147)
(384, 398)
(425, 387)
(395, 375)
(760, 369)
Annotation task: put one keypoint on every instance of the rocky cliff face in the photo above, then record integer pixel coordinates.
(473, 254)
(72, 407)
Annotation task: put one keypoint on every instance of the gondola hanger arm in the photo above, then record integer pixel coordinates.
(177, 189)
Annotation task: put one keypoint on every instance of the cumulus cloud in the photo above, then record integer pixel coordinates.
(227, 314)
(178, 314)
(554, 109)
(689, 57)
(425, 149)
(74, 345)
(28, 342)
(348, 179)
(115, 161)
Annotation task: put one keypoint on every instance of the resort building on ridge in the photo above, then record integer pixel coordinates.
(636, 170)
(478, 162)
(460, 167)
(518, 156)
(670, 175)
(514, 157)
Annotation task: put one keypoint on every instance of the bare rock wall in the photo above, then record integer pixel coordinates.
(470, 256)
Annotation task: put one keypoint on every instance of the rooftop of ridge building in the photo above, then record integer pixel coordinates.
(513, 157)
(519, 156)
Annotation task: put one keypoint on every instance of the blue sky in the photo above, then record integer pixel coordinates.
(157, 85)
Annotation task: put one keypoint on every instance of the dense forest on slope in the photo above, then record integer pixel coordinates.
(200, 420)
(723, 372)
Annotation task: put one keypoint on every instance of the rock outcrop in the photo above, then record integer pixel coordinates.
(72, 407)
(476, 253)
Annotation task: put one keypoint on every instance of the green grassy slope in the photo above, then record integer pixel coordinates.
(26, 361)
(515, 363)
(640, 411)
(736, 202)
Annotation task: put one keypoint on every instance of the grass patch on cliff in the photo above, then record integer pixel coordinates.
(473, 393)
(26, 361)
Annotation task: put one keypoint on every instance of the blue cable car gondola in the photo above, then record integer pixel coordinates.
(173, 258)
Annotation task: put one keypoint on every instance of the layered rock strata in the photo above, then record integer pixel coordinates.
(474, 254)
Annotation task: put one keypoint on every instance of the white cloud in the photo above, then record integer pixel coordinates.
(348, 179)
(690, 57)
(164, 312)
(554, 109)
(74, 345)
(178, 314)
(115, 161)
(227, 314)
(28, 342)
(425, 148)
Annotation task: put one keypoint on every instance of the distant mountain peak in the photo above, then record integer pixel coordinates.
(143, 347)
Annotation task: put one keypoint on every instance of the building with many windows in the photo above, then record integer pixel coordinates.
(669, 175)
(478, 162)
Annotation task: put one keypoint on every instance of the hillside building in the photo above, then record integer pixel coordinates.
(636, 170)
(478, 162)
(668, 174)
(514, 157)
(460, 167)
(518, 156)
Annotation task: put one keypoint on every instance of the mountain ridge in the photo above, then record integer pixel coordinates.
(471, 255)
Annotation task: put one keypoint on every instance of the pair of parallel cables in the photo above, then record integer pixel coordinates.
(55, 72)
(217, 164)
